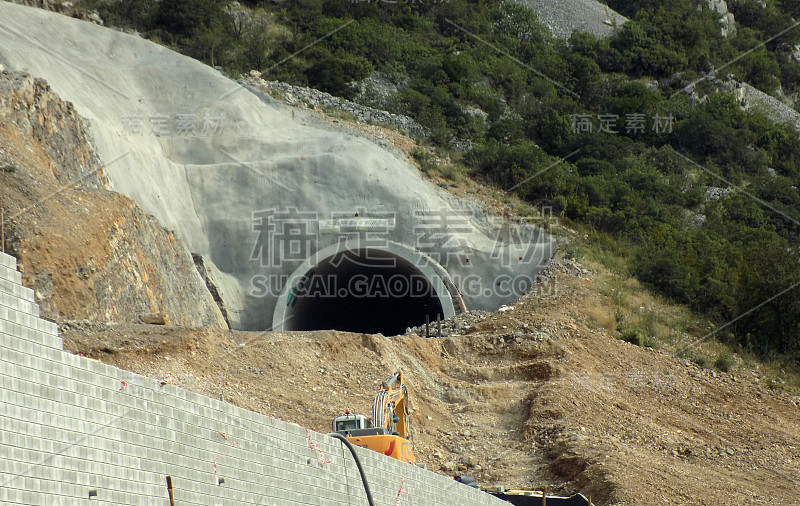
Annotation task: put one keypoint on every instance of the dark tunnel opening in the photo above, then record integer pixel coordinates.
(367, 290)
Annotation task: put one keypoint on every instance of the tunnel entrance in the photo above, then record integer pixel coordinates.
(366, 290)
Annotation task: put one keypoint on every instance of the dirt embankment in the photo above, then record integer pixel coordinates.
(536, 397)
(88, 252)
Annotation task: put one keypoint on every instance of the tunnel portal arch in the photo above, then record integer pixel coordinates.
(371, 290)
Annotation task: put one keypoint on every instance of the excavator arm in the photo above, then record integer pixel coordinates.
(390, 407)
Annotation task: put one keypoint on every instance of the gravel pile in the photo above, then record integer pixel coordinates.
(461, 323)
(565, 266)
(453, 326)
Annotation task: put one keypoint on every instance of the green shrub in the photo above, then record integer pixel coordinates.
(695, 357)
(633, 336)
(452, 172)
(426, 161)
(724, 361)
(638, 337)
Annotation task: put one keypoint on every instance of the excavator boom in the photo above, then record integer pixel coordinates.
(389, 409)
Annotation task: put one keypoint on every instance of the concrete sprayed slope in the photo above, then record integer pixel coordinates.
(246, 154)
(72, 427)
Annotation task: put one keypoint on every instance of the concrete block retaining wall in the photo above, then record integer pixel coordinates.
(70, 425)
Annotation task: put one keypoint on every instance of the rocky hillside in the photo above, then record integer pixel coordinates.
(753, 99)
(89, 253)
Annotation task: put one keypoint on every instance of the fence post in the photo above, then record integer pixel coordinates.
(169, 491)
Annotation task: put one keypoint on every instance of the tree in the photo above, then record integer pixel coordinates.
(201, 27)
(136, 14)
(336, 73)
(261, 35)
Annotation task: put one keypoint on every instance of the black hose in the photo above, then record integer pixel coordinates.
(358, 464)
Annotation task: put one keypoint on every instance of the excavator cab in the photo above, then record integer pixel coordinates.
(350, 425)
(349, 422)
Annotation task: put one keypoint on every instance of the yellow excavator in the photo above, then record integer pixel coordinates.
(387, 432)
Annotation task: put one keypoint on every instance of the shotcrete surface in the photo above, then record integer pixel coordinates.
(247, 153)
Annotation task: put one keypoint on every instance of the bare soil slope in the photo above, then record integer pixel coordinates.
(534, 397)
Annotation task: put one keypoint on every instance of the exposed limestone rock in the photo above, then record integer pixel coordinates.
(727, 21)
(563, 18)
(754, 99)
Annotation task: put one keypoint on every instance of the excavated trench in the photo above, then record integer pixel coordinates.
(366, 290)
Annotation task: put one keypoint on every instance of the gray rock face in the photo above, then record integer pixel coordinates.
(563, 17)
(756, 100)
(728, 22)
(32, 107)
(375, 90)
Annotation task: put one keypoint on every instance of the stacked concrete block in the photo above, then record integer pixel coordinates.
(73, 429)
